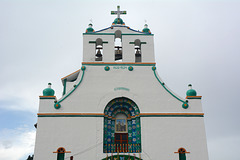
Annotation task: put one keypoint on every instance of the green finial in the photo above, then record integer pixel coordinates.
(90, 29)
(191, 92)
(146, 29)
(48, 91)
(118, 20)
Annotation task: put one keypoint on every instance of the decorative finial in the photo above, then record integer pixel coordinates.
(189, 86)
(191, 92)
(118, 12)
(146, 29)
(48, 91)
(90, 29)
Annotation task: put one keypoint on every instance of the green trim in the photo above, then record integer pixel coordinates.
(171, 115)
(94, 33)
(194, 97)
(154, 70)
(83, 68)
(47, 97)
(64, 86)
(70, 115)
(103, 116)
(119, 64)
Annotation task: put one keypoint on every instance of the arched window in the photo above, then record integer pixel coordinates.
(99, 50)
(122, 128)
(137, 47)
(182, 153)
(118, 46)
(61, 153)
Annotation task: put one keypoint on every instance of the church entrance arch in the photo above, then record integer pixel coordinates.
(122, 127)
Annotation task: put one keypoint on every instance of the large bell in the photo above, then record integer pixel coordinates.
(99, 54)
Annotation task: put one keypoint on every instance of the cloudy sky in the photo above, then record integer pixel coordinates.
(196, 41)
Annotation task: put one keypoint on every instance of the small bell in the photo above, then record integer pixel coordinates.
(99, 54)
(118, 54)
(138, 54)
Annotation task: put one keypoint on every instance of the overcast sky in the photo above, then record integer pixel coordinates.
(196, 41)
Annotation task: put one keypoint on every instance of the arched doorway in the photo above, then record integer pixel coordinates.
(122, 127)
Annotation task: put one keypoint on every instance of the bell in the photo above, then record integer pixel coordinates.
(138, 54)
(118, 54)
(99, 54)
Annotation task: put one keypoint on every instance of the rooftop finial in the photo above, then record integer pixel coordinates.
(118, 12)
(189, 86)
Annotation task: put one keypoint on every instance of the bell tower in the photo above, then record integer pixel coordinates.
(118, 43)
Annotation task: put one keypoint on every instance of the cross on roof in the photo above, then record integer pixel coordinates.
(118, 12)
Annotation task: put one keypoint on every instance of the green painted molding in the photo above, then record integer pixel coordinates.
(75, 87)
(64, 86)
(46, 97)
(194, 97)
(103, 115)
(70, 115)
(127, 34)
(117, 64)
(171, 115)
(163, 85)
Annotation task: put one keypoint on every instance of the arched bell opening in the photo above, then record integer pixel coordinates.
(99, 50)
(118, 46)
(137, 47)
(122, 128)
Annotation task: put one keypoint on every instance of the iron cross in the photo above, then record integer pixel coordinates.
(118, 12)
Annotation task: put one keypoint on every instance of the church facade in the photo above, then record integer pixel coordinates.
(117, 107)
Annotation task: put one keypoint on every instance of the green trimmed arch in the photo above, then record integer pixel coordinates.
(129, 108)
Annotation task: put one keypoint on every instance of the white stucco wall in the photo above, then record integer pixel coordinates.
(83, 136)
